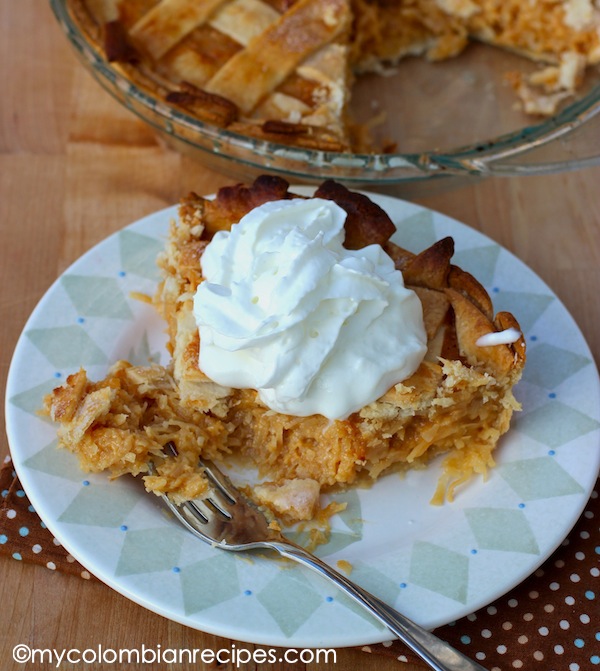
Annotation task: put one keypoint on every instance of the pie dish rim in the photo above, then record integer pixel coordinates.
(542, 147)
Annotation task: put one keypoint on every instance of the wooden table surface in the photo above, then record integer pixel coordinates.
(74, 167)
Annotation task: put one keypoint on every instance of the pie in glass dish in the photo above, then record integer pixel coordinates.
(283, 70)
(455, 404)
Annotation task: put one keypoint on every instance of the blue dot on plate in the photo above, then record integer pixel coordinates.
(329, 599)
(247, 592)
(123, 527)
(57, 374)
(85, 483)
(521, 505)
(403, 585)
(176, 569)
(473, 551)
(122, 273)
(80, 320)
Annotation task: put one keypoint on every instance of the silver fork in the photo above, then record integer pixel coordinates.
(225, 518)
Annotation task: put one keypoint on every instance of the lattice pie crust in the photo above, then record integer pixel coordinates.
(282, 70)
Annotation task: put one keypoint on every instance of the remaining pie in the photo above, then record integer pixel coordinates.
(282, 70)
(458, 403)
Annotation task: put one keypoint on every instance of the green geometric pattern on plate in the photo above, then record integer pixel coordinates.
(555, 424)
(351, 515)
(96, 296)
(30, 400)
(417, 231)
(440, 570)
(540, 478)
(55, 461)
(480, 261)
(297, 591)
(149, 550)
(376, 582)
(81, 351)
(340, 539)
(373, 581)
(100, 505)
(337, 541)
(502, 529)
(141, 355)
(527, 307)
(563, 364)
(209, 582)
(138, 254)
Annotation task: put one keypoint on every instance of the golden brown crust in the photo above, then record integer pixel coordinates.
(65, 400)
(366, 223)
(209, 107)
(233, 202)
(117, 46)
(296, 134)
(431, 267)
(271, 57)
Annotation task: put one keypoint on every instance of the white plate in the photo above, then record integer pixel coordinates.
(435, 564)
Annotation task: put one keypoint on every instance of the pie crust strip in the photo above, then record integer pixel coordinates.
(271, 57)
(166, 24)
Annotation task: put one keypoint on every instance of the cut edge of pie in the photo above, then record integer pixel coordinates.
(458, 403)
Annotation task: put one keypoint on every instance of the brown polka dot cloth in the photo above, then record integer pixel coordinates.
(23, 535)
(551, 622)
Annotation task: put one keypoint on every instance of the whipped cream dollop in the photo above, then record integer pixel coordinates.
(315, 328)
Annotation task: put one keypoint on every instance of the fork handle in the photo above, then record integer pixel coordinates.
(437, 653)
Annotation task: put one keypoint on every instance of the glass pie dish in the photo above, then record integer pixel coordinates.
(455, 118)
